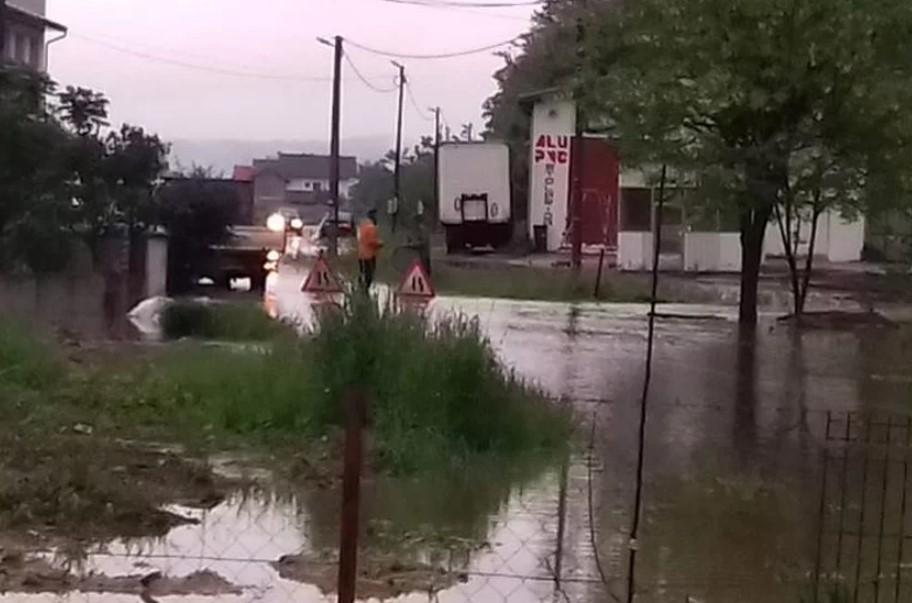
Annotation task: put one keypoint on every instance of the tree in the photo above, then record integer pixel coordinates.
(34, 208)
(755, 98)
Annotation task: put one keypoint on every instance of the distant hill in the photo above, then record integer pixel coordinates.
(223, 155)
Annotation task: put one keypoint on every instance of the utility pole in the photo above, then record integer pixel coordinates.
(436, 161)
(577, 160)
(334, 160)
(397, 182)
(2, 32)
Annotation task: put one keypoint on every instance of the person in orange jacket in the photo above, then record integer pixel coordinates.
(369, 245)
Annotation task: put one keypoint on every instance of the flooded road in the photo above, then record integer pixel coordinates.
(733, 468)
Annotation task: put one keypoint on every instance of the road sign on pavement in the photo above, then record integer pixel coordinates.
(322, 279)
(417, 283)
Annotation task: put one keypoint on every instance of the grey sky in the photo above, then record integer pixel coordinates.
(273, 37)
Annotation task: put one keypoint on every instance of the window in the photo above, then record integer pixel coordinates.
(36, 61)
(317, 186)
(636, 209)
(25, 49)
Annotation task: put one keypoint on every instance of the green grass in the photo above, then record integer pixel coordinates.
(24, 361)
(438, 395)
(215, 320)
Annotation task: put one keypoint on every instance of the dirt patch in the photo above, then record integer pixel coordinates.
(34, 575)
(376, 579)
(68, 488)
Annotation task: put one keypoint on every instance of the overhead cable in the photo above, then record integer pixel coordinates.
(444, 55)
(421, 112)
(364, 80)
(455, 4)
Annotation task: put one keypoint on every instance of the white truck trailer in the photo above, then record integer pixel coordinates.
(474, 192)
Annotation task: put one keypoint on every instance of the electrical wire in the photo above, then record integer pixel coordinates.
(199, 66)
(647, 377)
(364, 80)
(454, 4)
(421, 112)
(444, 55)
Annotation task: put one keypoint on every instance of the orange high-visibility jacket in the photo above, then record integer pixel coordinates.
(368, 240)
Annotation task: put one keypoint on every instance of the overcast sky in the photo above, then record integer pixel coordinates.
(121, 47)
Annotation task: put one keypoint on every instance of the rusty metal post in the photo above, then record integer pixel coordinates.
(356, 410)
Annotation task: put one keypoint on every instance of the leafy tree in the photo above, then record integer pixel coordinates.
(775, 106)
(34, 209)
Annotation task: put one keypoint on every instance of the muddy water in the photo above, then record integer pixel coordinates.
(733, 462)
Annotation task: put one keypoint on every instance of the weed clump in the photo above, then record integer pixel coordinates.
(224, 321)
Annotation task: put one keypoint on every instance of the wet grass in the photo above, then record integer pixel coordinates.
(438, 395)
(215, 320)
(24, 361)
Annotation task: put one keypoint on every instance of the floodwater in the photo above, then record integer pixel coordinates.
(736, 426)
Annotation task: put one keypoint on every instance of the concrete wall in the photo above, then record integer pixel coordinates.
(635, 250)
(712, 252)
(838, 240)
(156, 267)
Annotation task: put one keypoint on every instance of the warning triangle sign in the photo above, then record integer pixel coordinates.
(417, 283)
(321, 279)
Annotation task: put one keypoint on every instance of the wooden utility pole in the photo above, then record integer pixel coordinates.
(577, 160)
(436, 161)
(397, 182)
(334, 163)
(2, 32)
(356, 414)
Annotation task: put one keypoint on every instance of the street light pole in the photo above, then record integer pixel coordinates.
(577, 159)
(397, 176)
(334, 146)
(436, 160)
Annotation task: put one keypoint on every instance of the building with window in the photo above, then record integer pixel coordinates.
(297, 184)
(28, 33)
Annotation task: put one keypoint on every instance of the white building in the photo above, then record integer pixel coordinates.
(27, 33)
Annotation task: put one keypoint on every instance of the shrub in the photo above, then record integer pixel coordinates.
(226, 321)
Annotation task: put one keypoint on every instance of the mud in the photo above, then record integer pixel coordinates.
(21, 574)
(376, 579)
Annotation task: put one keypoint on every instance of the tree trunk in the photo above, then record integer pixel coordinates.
(753, 229)
(809, 263)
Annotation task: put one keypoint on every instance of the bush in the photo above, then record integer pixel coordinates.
(24, 361)
(226, 321)
(438, 394)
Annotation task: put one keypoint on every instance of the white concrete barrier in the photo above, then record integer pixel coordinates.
(635, 251)
(712, 252)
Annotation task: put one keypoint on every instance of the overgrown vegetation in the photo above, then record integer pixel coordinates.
(439, 396)
(221, 321)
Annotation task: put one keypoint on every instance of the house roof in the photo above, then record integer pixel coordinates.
(291, 166)
(33, 19)
(244, 173)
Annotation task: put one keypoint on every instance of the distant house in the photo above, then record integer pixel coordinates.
(298, 184)
(26, 26)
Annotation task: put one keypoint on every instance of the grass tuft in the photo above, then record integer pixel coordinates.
(215, 320)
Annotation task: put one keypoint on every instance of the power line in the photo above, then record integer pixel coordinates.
(445, 55)
(411, 96)
(201, 67)
(364, 80)
(454, 4)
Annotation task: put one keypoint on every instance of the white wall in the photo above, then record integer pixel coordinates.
(635, 250)
(712, 252)
(837, 239)
(846, 238)
(553, 126)
(156, 266)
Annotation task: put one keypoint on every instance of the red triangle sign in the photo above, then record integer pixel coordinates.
(322, 279)
(417, 283)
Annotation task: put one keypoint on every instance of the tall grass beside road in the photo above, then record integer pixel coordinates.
(439, 396)
(230, 321)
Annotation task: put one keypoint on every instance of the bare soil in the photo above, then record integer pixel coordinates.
(22, 574)
(377, 579)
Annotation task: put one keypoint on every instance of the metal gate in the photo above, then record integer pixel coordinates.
(863, 549)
